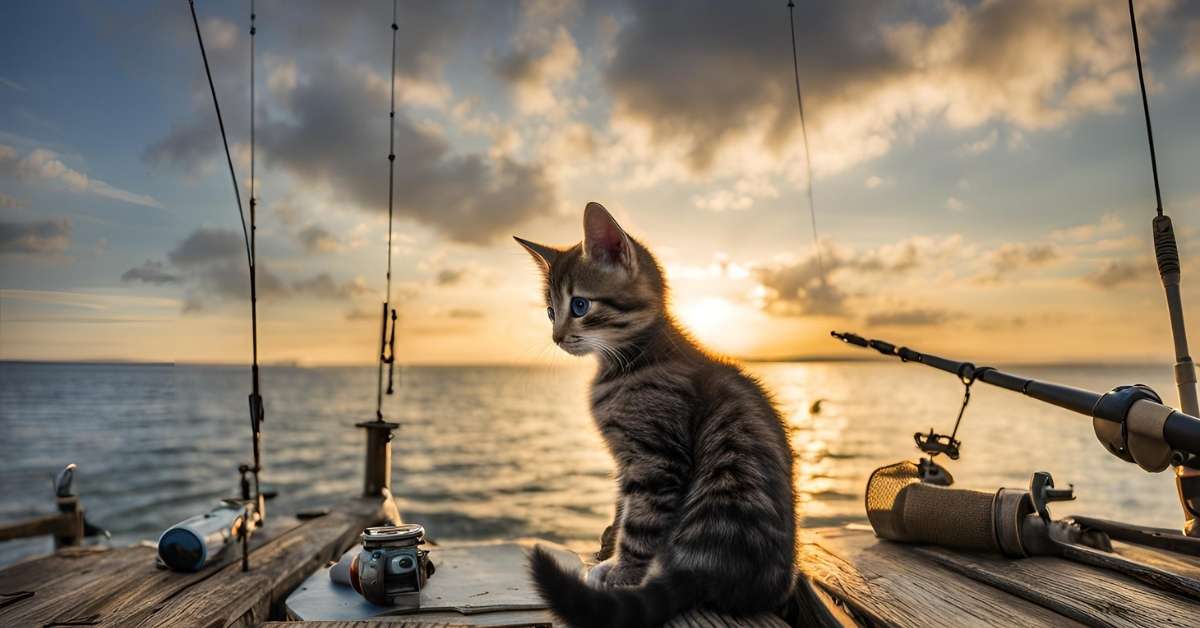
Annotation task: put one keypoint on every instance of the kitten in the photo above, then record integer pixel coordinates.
(705, 512)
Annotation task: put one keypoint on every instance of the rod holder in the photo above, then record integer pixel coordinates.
(71, 531)
(378, 461)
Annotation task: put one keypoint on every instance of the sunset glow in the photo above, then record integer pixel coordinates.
(1000, 209)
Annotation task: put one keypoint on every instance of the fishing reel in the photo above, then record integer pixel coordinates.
(391, 569)
(934, 444)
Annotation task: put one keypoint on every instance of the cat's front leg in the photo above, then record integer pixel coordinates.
(608, 539)
(648, 513)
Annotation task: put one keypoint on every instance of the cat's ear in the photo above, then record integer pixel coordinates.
(544, 255)
(604, 241)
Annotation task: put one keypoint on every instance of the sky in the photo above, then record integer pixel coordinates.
(980, 174)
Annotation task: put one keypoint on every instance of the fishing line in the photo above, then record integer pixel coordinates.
(1137, 51)
(224, 140)
(812, 208)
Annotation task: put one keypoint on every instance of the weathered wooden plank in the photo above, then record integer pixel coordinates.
(394, 622)
(61, 580)
(80, 585)
(694, 619)
(812, 606)
(709, 619)
(890, 585)
(62, 523)
(1087, 594)
(123, 587)
(1181, 564)
(232, 598)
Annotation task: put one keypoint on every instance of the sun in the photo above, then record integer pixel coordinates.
(709, 320)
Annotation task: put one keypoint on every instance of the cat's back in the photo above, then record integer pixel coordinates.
(723, 386)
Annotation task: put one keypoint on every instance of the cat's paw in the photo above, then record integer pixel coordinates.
(597, 574)
(624, 575)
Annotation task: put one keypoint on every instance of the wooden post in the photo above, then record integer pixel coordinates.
(70, 531)
(378, 462)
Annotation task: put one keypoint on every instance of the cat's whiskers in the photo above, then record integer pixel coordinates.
(623, 364)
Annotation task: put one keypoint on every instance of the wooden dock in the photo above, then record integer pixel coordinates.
(122, 587)
(881, 583)
(849, 578)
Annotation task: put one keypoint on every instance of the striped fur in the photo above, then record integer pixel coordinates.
(704, 468)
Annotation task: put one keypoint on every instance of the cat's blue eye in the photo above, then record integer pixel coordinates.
(550, 312)
(579, 306)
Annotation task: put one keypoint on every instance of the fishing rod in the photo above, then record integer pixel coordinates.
(379, 432)
(1130, 421)
(1166, 253)
(913, 502)
(387, 346)
(193, 543)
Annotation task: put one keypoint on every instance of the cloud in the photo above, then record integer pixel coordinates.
(915, 317)
(324, 286)
(316, 239)
(208, 245)
(536, 67)
(359, 314)
(323, 122)
(742, 196)
(722, 200)
(955, 205)
(1011, 258)
(11, 84)
(468, 198)
(544, 56)
(802, 288)
(716, 96)
(1190, 63)
(981, 145)
(211, 263)
(47, 237)
(450, 276)
(1108, 226)
(187, 146)
(329, 138)
(10, 202)
(813, 287)
(150, 272)
(229, 280)
(41, 164)
(1117, 273)
(464, 313)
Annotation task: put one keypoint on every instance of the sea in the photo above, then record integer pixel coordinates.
(495, 452)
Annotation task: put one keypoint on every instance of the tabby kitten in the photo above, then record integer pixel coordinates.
(705, 512)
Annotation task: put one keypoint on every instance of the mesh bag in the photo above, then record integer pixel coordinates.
(902, 508)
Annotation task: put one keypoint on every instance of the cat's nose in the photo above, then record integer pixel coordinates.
(558, 336)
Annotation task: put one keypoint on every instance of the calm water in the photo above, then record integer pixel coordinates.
(506, 452)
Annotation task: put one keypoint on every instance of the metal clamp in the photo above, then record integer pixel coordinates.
(1110, 414)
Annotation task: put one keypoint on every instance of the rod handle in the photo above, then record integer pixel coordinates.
(1166, 251)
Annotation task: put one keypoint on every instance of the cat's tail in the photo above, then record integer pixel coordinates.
(570, 598)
